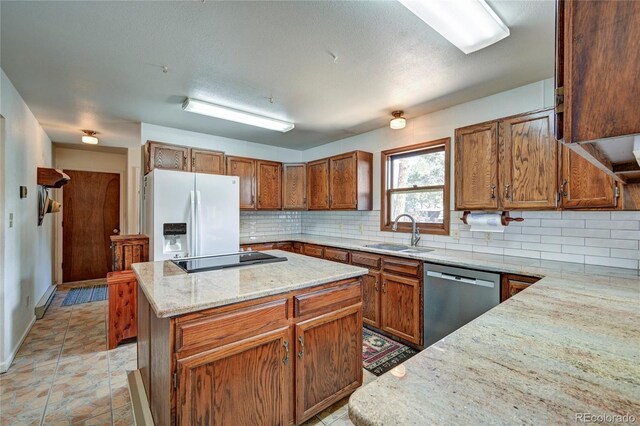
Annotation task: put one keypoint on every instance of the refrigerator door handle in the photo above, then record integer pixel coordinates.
(197, 223)
(192, 233)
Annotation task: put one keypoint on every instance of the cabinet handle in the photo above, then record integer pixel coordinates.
(562, 186)
(493, 191)
(506, 191)
(253, 199)
(326, 200)
(376, 285)
(285, 360)
(301, 353)
(384, 286)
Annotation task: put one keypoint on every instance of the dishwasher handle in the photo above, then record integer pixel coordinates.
(459, 279)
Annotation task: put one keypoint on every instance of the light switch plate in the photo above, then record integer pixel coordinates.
(10, 220)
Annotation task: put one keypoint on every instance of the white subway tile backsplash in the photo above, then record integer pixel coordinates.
(610, 242)
(591, 251)
(593, 233)
(574, 241)
(625, 235)
(625, 254)
(562, 257)
(611, 261)
(633, 225)
(589, 215)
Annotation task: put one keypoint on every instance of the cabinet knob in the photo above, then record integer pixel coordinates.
(384, 286)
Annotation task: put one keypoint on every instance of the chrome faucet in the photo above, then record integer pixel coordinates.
(415, 232)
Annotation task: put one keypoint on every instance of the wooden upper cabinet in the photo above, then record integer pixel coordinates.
(326, 345)
(598, 63)
(476, 167)
(318, 185)
(269, 183)
(294, 192)
(350, 181)
(217, 386)
(169, 157)
(583, 185)
(203, 161)
(245, 169)
(528, 162)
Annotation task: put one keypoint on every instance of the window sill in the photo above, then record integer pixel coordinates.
(425, 229)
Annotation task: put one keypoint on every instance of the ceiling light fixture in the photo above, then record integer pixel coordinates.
(398, 121)
(468, 24)
(231, 114)
(89, 137)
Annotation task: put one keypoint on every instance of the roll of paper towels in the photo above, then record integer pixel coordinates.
(485, 222)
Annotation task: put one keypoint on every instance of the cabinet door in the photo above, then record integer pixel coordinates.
(218, 386)
(343, 178)
(583, 185)
(318, 185)
(203, 161)
(528, 162)
(371, 299)
(245, 169)
(476, 167)
(514, 284)
(329, 364)
(168, 157)
(295, 187)
(400, 307)
(269, 185)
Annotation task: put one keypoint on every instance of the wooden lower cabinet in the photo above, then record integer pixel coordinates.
(329, 364)
(400, 307)
(371, 298)
(513, 284)
(246, 382)
(122, 321)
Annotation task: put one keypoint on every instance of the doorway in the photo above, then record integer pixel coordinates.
(90, 215)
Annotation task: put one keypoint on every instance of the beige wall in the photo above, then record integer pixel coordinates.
(93, 161)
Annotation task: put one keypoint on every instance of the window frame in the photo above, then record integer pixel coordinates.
(385, 190)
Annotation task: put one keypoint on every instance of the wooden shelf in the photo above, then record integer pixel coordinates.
(52, 178)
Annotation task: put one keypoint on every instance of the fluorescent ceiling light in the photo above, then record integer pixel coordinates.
(226, 113)
(468, 24)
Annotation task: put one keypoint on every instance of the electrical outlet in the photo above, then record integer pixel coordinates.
(455, 234)
(10, 220)
(487, 236)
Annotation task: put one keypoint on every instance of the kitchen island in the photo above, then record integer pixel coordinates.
(261, 344)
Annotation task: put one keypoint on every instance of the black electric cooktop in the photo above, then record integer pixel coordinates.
(211, 263)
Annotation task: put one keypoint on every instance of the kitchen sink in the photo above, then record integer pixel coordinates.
(417, 250)
(391, 247)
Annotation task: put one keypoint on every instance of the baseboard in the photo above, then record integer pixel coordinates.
(139, 403)
(45, 301)
(4, 365)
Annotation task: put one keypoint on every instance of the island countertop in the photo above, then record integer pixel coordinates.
(172, 292)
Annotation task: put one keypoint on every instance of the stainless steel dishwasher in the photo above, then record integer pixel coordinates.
(455, 296)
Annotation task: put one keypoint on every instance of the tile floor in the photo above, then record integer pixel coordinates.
(64, 375)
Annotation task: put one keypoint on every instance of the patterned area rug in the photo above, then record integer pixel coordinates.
(381, 354)
(85, 295)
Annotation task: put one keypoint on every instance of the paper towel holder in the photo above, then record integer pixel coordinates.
(505, 218)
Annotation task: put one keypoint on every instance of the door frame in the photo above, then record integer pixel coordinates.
(57, 194)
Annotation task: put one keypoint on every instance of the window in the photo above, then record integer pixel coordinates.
(415, 181)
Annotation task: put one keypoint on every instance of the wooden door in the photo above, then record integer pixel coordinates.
(476, 167)
(528, 162)
(583, 185)
(204, 161)
(269, 181)
(600, 56)
(400, 307)
(245, 169)
(243, 383)
(371, 298)
(329, 363)
(343, 182)
(295, 186)
(164, 156)
(90, 215)
(318, 185)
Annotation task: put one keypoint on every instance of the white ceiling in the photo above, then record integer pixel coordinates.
(97, 65)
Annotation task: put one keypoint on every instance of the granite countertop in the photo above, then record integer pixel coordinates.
(172, 292)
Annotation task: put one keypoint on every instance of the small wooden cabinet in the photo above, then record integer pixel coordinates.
(513, 284)
(122, 319)
(245, 169)
(371, 298)
(583, 185)
(128, 249)
(204, 161)
(294, 192)
(318, 184)
(476, 167)
(400, 307)
(269, 184)
(160, 155)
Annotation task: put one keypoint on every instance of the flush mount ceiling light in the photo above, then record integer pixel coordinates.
(231, 114)
(89, 137)
(468, 24)
(398, 121)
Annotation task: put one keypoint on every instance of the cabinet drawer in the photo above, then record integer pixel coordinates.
(337, 255)
(328, 299)
(401, 266)
(313, 250)
(226, 327)
(283, 246)
(366, 260)
(257, 247)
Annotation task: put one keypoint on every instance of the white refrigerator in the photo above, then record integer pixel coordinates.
(191, 214)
